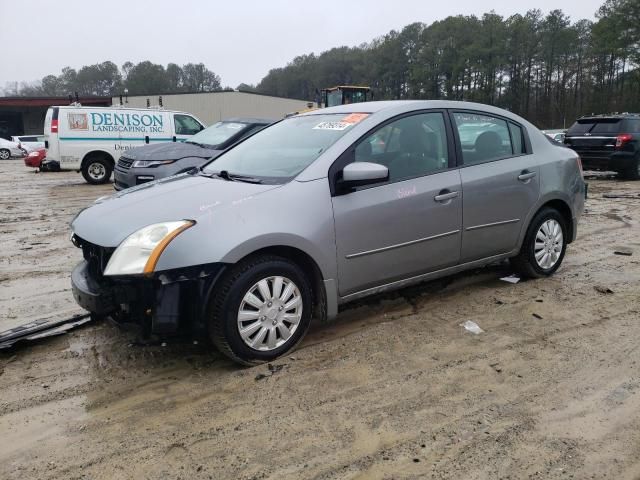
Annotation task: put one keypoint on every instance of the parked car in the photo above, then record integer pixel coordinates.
(9, 149)
(608, 143)
(90, 139)
(29, 143)
(34, 158)
(304, 216)
(152, 162)
(555, 135)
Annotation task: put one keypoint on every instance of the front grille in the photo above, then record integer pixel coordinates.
(96, 256)
(125, 163)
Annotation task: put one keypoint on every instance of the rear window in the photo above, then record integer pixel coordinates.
(581, 127)
(602, 126)
(607, 126)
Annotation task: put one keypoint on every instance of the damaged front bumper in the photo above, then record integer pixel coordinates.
(167, 304)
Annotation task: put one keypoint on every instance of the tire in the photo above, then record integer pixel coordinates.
(5, 154)
(632, 173)
(97, 169)
(525, 263)
(229, 300)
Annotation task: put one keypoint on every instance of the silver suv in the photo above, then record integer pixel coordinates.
(324, 208)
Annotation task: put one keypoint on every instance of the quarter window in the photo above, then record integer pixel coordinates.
(516, 139)
(483, 137)
(186, 125)
(632, 126)
(409, 147)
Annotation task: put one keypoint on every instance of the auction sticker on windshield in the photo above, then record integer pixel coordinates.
(333, 126)
(343, 124)
(355, 117)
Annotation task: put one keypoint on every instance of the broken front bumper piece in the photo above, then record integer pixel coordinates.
(171, 303)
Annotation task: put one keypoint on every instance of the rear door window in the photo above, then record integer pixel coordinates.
(483, 138)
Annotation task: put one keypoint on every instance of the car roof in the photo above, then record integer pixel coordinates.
(406, 105)
(609, 116)
(260, 121)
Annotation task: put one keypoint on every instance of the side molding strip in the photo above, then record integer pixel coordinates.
(495, 224)
(400, 245)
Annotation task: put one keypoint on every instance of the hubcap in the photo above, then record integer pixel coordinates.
(4, 154)
(549, 243)
(270, 313)
(96, 171)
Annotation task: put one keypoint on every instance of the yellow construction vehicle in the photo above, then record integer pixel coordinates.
(344, 95)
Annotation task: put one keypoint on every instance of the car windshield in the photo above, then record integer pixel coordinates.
(280, 152)
(218, 133)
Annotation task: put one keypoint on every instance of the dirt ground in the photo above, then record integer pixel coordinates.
(395, 388)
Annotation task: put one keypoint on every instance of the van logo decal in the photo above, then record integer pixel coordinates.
(127, 122)
(78, 121)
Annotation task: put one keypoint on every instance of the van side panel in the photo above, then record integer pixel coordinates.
(83, 130)
(136, 126)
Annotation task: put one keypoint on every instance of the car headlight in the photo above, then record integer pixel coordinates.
(150, 163)
(140, 251)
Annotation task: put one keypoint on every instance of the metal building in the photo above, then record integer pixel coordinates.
(25, 115)
(211, 107)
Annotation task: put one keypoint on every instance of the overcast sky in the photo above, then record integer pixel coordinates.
(240, 41)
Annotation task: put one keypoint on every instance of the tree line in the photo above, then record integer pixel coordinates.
(543, 67)
(106, 79)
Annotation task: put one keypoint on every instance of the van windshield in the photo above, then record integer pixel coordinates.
(280, 152)
(218, 133)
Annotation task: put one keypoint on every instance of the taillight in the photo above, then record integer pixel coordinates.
(54, 126)
(623, 139)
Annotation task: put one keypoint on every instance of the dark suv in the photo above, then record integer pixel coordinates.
(608, 142)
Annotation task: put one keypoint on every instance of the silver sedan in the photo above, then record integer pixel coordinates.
(324, 208)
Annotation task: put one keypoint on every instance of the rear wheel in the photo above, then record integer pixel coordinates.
(5, 154)
(261, 310)
(632, 173)
(97, 169)
(544, 245)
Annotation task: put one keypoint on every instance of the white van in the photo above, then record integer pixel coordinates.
(91, 139)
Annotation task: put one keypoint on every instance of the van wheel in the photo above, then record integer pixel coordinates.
(97, 169)
(261, 310)
(544, 245)
(5, 154)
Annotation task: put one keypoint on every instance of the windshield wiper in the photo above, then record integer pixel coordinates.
(201, 145)
(232, 177)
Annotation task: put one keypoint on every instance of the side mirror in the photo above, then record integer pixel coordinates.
(358, 174)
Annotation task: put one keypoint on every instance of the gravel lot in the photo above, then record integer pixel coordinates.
(395, 388)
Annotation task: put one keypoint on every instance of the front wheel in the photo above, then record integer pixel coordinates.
(544, 245)
(5, 154)
(97, 170)
(261, 310)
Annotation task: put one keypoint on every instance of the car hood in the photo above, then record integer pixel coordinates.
(183, 197)
(171, 151)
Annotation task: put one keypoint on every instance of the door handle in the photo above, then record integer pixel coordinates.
(525, 176)
(445, 196)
